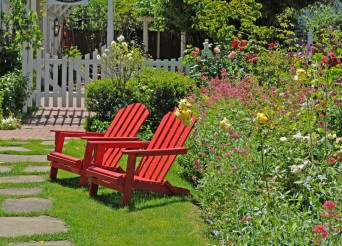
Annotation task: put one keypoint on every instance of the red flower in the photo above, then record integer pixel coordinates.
(235, 44)
(243, 43)
(271, 45)
(321, 230)
(329, 206)
(331, 160)
(325, 59)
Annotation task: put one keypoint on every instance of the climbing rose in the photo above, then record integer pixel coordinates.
(232, 55)
(321, 230)
(329, 206)
(235, 44)
(217, 50)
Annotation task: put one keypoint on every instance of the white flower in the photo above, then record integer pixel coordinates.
(297, 136)
(338, 140)
(124, 44)
(331, 136)
(98, 57)
(112, 43)
(121, 38)
(104, 55)
(294, 169)
(106, 50)
(283, 139)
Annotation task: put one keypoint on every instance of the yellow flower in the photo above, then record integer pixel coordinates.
(182, 114)
(261, 118)
(300, 72)
(225, 124)
(184, 104)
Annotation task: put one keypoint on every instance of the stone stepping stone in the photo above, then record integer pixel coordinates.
(22, 179)
(24, 205)
(20, 191)
(30, 169)
(23, 158)
(4, 169)
(47, 243)
(22, 149)
(25, 226)
(48, 142)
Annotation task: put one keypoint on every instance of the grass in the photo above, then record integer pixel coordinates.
(151, 219)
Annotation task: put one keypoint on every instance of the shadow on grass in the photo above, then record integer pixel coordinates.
(141, 200)
(69, 182)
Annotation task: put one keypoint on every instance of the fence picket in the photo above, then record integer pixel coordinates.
(64, 80)
(68, 76)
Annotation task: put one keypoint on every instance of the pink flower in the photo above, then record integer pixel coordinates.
(324, 215)
(203, 154)
(232, 55)
(223, 72)
(217, 50)
(329, 205)
(321, 230)
(228, 155)
(198, 58)
(331, 160)
(212, 150)
(235, 150)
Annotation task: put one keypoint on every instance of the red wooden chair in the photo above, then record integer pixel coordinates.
(124, 127)
(156, 161)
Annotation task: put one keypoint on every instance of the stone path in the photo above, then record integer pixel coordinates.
(21, 225)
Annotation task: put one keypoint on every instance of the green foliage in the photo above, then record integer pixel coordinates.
(103, 98)
(13, 87)
(159, 91)
(94, 124)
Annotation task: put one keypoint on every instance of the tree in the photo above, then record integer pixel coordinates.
(21, 26)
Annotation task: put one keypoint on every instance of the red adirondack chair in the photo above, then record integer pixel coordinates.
(156, 161)
(124, 127)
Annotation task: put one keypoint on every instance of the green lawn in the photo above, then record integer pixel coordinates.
(152, 219)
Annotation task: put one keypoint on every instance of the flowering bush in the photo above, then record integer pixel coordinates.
(240, 58)
(120, 61)
(267, 150)
(9, 123)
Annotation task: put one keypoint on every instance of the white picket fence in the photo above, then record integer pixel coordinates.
(60, 82)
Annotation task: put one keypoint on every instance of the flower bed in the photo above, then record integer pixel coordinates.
(266, 152)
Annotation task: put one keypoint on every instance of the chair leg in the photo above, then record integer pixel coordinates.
(53, 173)
(83, 180)
(126, 197)
(93, 189)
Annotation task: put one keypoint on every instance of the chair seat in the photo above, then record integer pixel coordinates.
(65, 159)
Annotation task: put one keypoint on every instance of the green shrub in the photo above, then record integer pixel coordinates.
(102, 98)
(13, 87)
(159, 90)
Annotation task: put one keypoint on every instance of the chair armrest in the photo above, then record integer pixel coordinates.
(98, 148)
(156, 152)
(90, 138)
(60, 136)
(119, 144)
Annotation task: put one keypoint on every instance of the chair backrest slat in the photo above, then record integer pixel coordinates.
(128, 122)
(171, 133)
